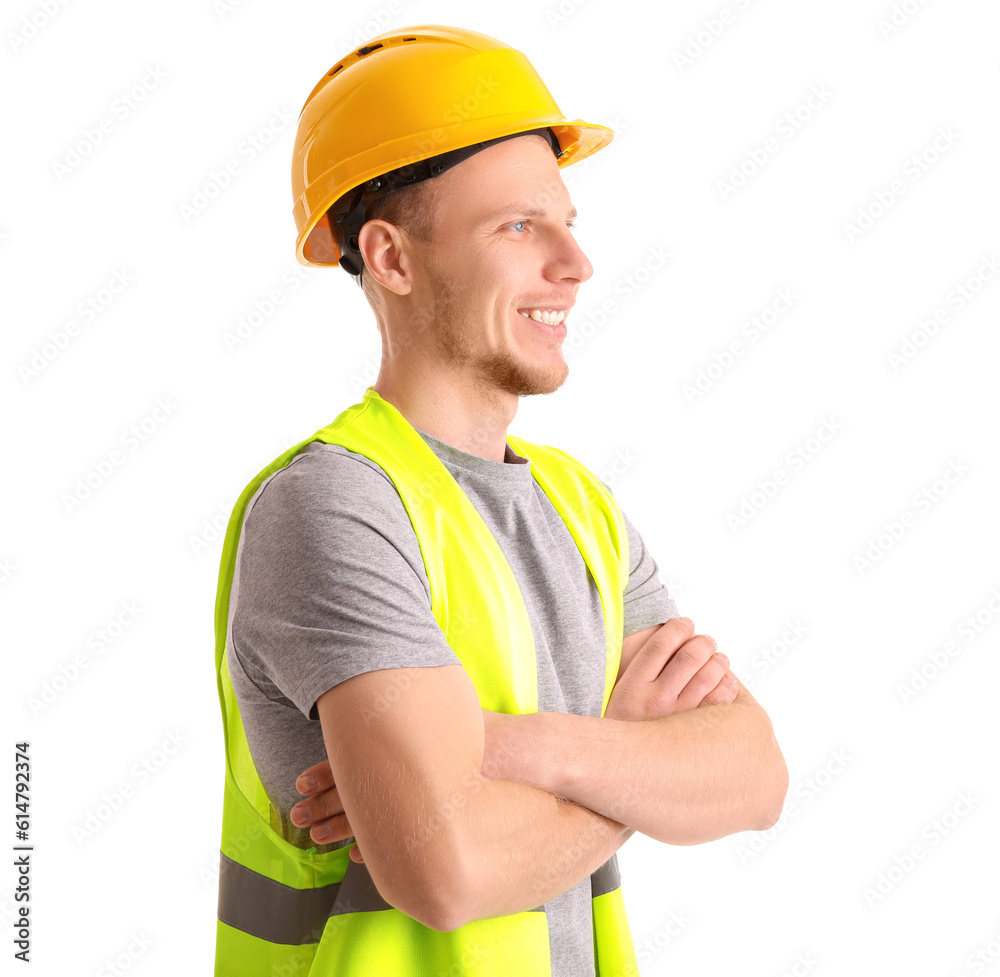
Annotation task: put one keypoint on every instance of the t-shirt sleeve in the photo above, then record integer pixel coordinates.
(647, 600)
(331, 581)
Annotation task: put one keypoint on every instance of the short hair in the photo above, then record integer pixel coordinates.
(407, 207)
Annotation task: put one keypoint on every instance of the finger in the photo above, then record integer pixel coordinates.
(322, 778)
(355, 855)
(317, 808)
(726, 691)
(703, 681)
(658, 649)
(331, 829)
(685, 663)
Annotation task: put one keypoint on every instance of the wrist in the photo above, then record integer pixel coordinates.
(516, 747)
(541, 760)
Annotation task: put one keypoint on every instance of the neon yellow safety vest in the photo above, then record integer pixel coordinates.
(285, 911)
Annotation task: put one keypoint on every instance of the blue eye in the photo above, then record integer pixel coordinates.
(570, 224)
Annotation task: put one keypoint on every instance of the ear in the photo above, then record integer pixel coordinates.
(388, 259)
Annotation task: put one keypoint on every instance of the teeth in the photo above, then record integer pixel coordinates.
(547, 316)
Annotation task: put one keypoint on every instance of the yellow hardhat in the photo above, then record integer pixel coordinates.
(405, 97)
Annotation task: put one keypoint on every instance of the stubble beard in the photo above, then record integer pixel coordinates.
(496, 371)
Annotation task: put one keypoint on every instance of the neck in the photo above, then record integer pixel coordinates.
(458, 411)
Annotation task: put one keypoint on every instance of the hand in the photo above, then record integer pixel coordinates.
(674, 670)
(323, 808)
(671, 672)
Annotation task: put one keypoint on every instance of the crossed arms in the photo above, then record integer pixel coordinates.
(464, 814)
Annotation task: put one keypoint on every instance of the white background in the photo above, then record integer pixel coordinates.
(797, 899)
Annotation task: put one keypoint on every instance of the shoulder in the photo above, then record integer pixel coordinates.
(322, 479)
(327, 497)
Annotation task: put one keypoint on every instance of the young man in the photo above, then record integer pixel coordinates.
(462, 622)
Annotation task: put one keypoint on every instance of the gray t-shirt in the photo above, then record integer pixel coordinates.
(329, 583)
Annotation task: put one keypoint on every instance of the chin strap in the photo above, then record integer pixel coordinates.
(351, 209)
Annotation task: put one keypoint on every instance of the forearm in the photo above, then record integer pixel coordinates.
(683, 779)
(523, 846)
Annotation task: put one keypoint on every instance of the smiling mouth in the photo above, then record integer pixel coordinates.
(556, 329)
(551, 317)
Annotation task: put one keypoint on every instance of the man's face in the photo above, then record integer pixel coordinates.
(500, 245)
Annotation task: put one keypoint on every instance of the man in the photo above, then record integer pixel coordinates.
(463, 622)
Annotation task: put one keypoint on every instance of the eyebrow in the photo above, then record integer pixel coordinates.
(520, 212)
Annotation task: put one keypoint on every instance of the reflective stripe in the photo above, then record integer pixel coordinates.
(279, 913)
(267, 927)
(606, 878)
(358, 893)
(271, 910)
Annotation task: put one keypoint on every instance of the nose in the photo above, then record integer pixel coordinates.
(569, 261)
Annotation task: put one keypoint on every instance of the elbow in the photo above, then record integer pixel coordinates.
(447, 919)
(440, 904)
(451, 899)
(436, 894)
(434, 909)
